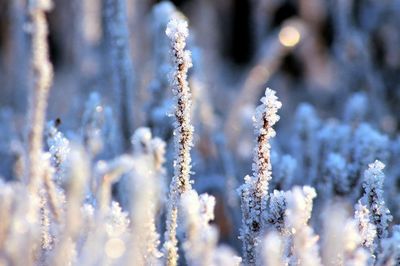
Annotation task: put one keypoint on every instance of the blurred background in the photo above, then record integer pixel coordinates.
(343, 46)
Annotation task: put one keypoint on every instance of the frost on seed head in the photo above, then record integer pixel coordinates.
(177, 30)
(267, 111)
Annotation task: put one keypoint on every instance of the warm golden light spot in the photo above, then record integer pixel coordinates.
(289, 36)
(114, 248)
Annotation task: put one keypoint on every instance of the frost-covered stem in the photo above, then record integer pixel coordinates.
(254, 193)
(177, 32)
(341, 239)
(143, 206)
(170, 247)
(42, 80)
(277, 209)
(161, 15)
(147, 194)
(52, 196)
(306, 128)
(78, 173)
(390, 254)
(365, 227)
(373, 198)
(117, 37)
(265, 118)
(59, 149)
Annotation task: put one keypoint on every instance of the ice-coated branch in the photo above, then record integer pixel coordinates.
(42, 80)
(254, 193)
(373, 198)
(177, 32)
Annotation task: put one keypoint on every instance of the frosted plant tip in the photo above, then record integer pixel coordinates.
(177, 28)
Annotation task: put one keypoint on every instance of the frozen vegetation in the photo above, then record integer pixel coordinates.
(127, 137)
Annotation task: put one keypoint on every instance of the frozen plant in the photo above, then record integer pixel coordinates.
(333, 137)
(335, 176)
(390, 254)
(97, 193)
(304, 146)
(59, 148)
(77, 175)
(98, 127)
(159, 103)
(305, 250)
(356, 108)
(273, 246)
(368, 145)
(254, 192)
(283, 172)
(201, 238)
(107, 173)
(117, 38)
(276, 212)
(373, 198)
(341, 240)
(366, 228)
(224, 255)
(143, 144)
(144, 239)
(54, 194)
(177, 32)
(42, 80)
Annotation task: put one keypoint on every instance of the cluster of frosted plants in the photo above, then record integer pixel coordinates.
(104, 196)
